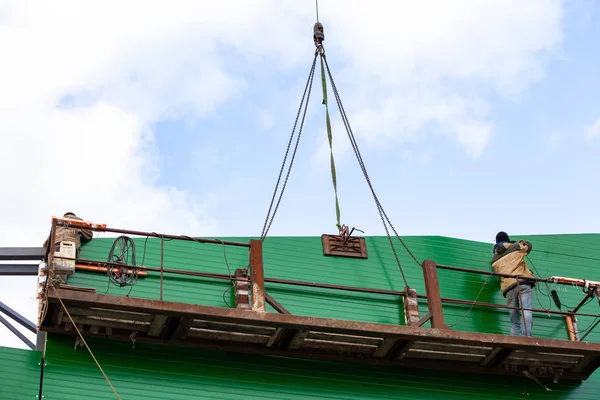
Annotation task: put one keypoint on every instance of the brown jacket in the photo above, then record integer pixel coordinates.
(509, 259)
(71, 234)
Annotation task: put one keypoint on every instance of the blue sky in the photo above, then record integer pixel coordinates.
(472, 117)
(534, 175)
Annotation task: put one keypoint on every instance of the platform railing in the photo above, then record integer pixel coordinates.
(256, 278)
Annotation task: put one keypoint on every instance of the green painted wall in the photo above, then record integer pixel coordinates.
(19, 373)
(166, 372)
(152, 372)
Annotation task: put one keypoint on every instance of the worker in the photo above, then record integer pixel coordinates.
(71, 234)
(509, 259)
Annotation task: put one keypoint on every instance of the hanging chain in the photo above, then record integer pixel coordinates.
(303, 104)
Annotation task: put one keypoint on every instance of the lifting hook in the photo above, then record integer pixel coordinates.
(318, 35)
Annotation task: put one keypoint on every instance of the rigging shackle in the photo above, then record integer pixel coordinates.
(318, 35)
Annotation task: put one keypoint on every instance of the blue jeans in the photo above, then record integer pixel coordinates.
(513, 300)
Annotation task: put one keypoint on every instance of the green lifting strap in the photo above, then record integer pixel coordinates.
(330, 137)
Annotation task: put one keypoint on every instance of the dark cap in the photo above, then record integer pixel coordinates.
(502, 237)
(69, 213)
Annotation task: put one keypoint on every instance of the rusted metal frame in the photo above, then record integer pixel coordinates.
(157, 325)
(162, 266)
(227, 277)
(183, 328)
(503, 306)
(434, 300)
(589, 294)
(93, 268)
(275, 304)
(425, 318)
(257, 277)
(67, 222)
(496, 357)
(587, 365)
(357, 328)
(316, 285)
(392, 348)
(323, 355)
(529, 278)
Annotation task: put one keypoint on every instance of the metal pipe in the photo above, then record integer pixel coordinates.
(570, 330)
(312, 284)
(228, 277)
(493, 305)
(66, 222)
(476, 271)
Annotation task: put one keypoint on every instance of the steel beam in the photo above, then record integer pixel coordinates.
(17, 333)
(18, 269)
(275, 304)
(257, 276)
(22, 253)
(259, 349)
(18, 317)
(73, 298)
(434, 300)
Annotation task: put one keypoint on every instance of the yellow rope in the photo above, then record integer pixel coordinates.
(85, 343)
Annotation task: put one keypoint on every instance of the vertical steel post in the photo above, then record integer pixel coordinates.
(434, 299)
(257, 277)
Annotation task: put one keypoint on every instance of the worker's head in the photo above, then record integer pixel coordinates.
(69, 214)
(502, 237)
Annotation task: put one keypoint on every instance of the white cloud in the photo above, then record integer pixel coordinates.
(473, 137)
(412, 64)
(84, 82)
(593, 130)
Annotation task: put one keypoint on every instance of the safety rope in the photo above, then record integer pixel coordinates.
(303, 104)
(330, 138)
(85, 344)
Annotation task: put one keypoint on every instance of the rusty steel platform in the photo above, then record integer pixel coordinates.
(258, 332)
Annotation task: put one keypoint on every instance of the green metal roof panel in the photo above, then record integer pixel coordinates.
(162, 372)
(19, 373)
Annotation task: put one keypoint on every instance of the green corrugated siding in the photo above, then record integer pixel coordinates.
(160, 372)
(19, 374)
(219, 375)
